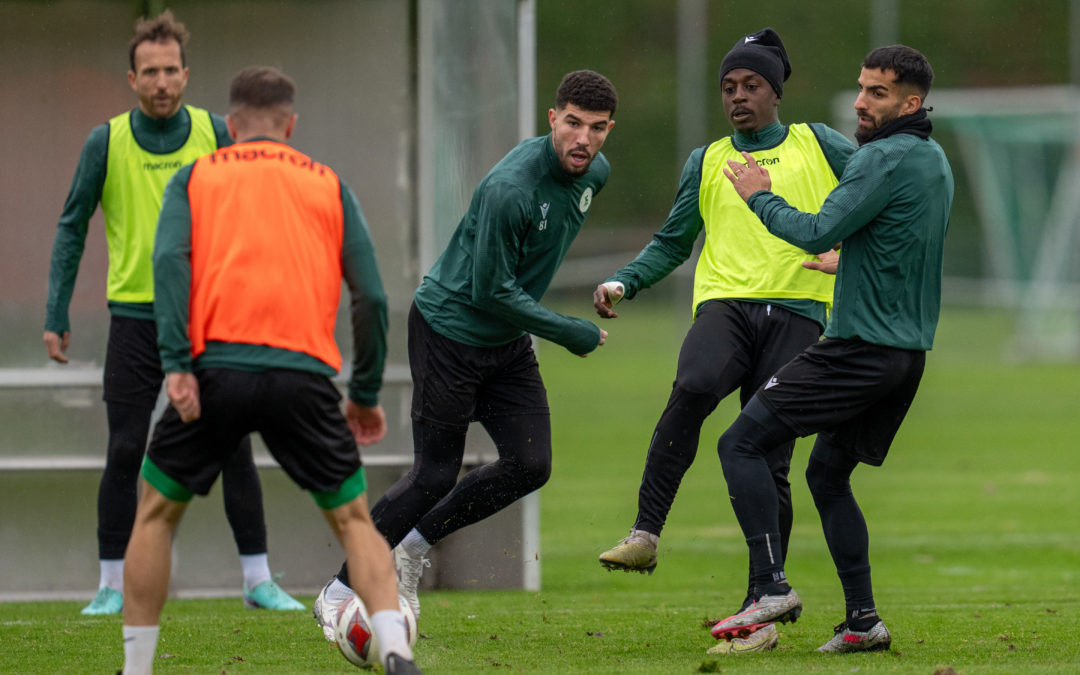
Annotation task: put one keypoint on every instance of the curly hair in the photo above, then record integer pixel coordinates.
(162, 28)
(588, 90)
(910, 66)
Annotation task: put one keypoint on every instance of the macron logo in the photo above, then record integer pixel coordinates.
(750, 38)
(772, 383)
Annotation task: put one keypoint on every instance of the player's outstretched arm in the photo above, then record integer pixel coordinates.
(56, 344)
(604, 298)
(367, 423)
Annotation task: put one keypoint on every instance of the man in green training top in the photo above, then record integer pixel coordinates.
(758, 301)
(124, 166)
(469, 347)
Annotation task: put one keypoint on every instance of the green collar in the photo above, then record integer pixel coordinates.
(767, 137)
(161, 135)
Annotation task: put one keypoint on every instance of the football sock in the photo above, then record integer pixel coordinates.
(415, 544)
(338, 592)
(858, 591)
(654, 539)
(389, 627)
(774, 588)
(140, 643)
(767, 560)
(112, 574)
(256, 569)
(343, 573)
(862, 620)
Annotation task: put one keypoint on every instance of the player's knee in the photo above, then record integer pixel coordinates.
(535, 471)
(741, 438)
(126, 450)
(824, 481)
(692, 398)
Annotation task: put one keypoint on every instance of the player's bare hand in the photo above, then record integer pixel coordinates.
(56, 344)
(605, 296)
(367, 423)
(826, 262)
(747, 178)
(183, 391)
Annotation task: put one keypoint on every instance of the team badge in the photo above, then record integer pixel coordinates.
(586, 200)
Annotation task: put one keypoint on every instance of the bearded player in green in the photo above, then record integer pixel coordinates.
(470, 350)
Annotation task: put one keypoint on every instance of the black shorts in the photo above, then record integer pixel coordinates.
(740, 344)
(455, 383)
(132, 362)
(853, 392)
(298, 415)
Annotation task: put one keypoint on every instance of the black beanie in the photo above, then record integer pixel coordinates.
(763, 53)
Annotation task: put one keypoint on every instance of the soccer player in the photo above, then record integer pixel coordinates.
(124, 166)
(242, 357)
(470, 352)
(758, 301)
(891, 210)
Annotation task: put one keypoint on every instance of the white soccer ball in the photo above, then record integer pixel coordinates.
(355, 636)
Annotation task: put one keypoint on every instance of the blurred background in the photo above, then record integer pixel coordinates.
(1004, 101)
(412, 101)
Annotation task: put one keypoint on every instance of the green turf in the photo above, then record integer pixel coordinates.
(974, 523)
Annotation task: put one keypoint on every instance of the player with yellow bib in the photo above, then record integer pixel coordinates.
(124, 166)
(758, 301)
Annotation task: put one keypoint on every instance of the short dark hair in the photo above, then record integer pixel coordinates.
(261, 88)
(588, 90)
(162, 28)
(910, 66)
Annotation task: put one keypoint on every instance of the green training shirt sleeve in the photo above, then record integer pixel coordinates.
(368, 304)
(502, 227)
(172, 274)
(221, 131)
(82, 201)
(837, 148)
(862, 193)
(673, 244)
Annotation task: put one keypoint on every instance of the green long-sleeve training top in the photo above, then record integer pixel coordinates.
(172, 288)
(891, 210)
(485, 289)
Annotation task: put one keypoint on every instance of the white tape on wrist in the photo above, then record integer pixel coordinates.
(615, 290)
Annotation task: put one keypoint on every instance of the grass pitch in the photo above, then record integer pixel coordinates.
(974, 524)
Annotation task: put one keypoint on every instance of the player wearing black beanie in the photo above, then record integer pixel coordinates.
(762, 52)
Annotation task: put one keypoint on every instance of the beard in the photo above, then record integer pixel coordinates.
(864, 134)
(569, 167)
